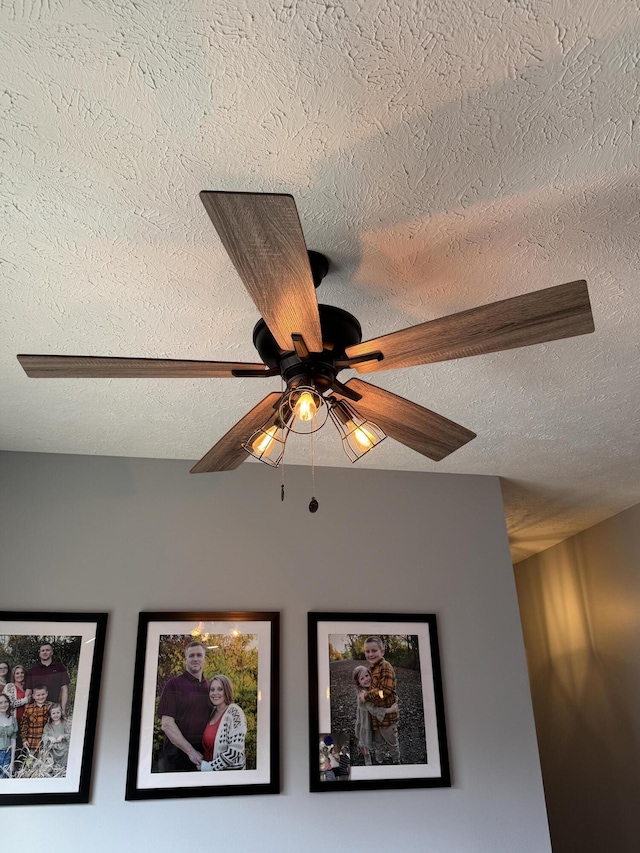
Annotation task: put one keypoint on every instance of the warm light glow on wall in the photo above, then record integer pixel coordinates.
(558, 608)
(566, 610)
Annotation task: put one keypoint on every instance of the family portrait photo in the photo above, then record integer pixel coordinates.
(36, 704)
(204, 714)
(376, 689)
(49, 678)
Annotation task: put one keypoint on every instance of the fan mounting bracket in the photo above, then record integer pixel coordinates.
(319, 264)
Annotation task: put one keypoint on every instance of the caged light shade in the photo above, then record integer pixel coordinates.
(303, 408)
(358, 434)
(267, 443)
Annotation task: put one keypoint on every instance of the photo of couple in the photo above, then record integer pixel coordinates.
(204, 716)
(206, 703)
(376, 698)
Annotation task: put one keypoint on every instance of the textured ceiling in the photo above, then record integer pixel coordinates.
(443, 155)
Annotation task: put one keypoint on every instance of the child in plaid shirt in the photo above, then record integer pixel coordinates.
(383, 694)
(34, 718)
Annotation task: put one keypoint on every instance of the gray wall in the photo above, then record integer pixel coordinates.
(126, 535)
(580, 607)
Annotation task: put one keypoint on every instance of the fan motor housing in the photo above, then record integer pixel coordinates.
(339, 331)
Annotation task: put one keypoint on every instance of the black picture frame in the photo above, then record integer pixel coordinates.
(338, 759)
(245, 643)
(42, 775)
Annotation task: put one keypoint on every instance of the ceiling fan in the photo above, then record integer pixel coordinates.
(308, 345)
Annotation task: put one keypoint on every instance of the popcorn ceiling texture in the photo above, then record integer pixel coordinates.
(443, 155)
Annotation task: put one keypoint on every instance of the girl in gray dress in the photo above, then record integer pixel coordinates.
(364, 712)
(56, 735)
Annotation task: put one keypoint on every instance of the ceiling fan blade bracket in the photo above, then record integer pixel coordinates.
(345, 391)
(345, 363)
(241, 373)
(299, 346)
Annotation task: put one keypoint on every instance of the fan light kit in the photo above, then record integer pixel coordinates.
(308, 345)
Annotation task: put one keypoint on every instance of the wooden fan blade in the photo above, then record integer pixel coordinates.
(544, 315)
(262, 234)
(228, 453)
(420, 429)
(81, 366)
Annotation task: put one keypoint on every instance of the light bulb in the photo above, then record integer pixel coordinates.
(265, 442)
(364, 438)
(305, 408)
(358, 435)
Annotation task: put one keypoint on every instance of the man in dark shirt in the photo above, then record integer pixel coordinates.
(52, 674)
(184, 712)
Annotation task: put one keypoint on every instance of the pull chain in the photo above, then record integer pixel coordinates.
(313, 504)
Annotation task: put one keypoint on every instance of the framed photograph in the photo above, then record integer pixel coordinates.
(50, 668)
(204, 720)
(376, 713)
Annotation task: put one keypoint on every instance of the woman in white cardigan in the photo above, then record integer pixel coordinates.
(224, 734)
